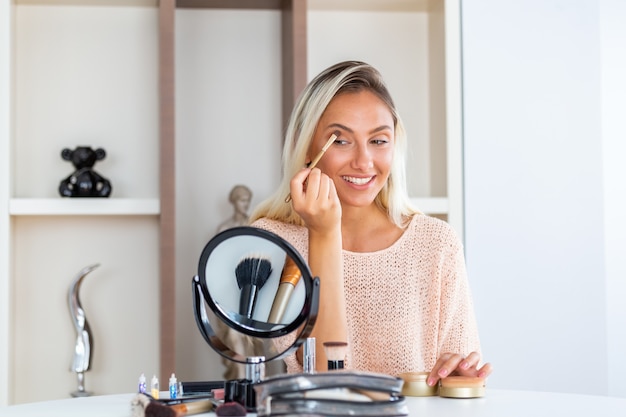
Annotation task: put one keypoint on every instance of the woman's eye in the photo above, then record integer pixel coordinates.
(380, 141)
(340, 141)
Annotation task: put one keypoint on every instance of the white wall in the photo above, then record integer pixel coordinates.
(5, 126)
(541, 254)
(218, 147)
(613, 49)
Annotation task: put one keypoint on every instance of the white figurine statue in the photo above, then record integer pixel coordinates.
(240, 197)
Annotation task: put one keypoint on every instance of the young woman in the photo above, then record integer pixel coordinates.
(393, 281)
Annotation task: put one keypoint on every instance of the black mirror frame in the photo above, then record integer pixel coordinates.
(305, 319)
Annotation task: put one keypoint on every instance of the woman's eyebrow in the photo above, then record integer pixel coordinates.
(347, 129)
(381, 128)
(340, 126)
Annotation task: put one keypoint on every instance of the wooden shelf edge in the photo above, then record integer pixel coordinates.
(112, 3)
(84, 207)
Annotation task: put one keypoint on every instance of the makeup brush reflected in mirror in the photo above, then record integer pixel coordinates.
(288, 280)
(252, 273)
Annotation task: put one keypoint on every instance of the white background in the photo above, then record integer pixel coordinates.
(544, 145)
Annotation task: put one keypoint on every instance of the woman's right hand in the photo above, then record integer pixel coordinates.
(315, 199)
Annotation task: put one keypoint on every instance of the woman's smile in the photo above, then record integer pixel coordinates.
(356, 180)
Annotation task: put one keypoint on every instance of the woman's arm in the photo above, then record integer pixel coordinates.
(318, 205)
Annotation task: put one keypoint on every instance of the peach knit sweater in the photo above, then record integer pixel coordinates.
(406, 304)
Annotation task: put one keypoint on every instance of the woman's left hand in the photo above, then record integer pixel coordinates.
(456, 364)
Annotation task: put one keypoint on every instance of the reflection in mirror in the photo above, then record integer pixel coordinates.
(238, 263)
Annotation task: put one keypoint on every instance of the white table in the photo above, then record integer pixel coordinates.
(497, 403)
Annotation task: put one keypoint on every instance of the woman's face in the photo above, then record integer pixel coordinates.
(359, 161)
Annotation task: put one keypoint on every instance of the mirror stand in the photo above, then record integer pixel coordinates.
(259, 332)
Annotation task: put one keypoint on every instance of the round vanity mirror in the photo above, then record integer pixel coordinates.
(262, 298)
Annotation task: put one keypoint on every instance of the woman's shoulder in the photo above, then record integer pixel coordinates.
(277, 226)
(431, 229)
(294, 234)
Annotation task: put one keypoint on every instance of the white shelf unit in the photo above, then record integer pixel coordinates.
(79, 73)
(82, 66)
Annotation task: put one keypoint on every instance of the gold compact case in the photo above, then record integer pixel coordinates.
(462, 387)
(415, 385)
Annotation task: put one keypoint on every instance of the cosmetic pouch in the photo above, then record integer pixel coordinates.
(335, 393)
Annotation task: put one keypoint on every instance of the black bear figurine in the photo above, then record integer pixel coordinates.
(84, 182)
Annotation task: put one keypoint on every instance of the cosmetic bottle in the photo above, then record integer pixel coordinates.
(173, 386)
(154, 387)
(308, 362)
(142, 384)
(335, 354)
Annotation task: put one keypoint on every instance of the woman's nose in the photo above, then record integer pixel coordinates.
(362, 158)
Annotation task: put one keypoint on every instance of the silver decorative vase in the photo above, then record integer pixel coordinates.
(81, 360)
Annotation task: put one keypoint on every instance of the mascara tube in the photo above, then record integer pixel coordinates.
(336, 354)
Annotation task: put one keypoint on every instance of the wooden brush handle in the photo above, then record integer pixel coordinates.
(195, 407)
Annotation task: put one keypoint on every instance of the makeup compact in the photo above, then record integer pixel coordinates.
(415, 385)
(462, 387)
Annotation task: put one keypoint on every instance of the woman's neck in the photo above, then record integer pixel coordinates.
(367, 229)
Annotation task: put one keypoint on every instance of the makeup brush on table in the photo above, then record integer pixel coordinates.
(143, 405)
(252, 273)
(288, 281)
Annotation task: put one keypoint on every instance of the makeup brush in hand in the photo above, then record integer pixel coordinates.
(288, 281)
(252, 273)
(317, 158)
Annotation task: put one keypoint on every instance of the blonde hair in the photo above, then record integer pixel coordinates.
(344, 77)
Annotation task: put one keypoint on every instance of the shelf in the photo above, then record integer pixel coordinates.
(113, 3)
(84, 207)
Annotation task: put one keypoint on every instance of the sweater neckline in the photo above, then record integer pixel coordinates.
(389, 248)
